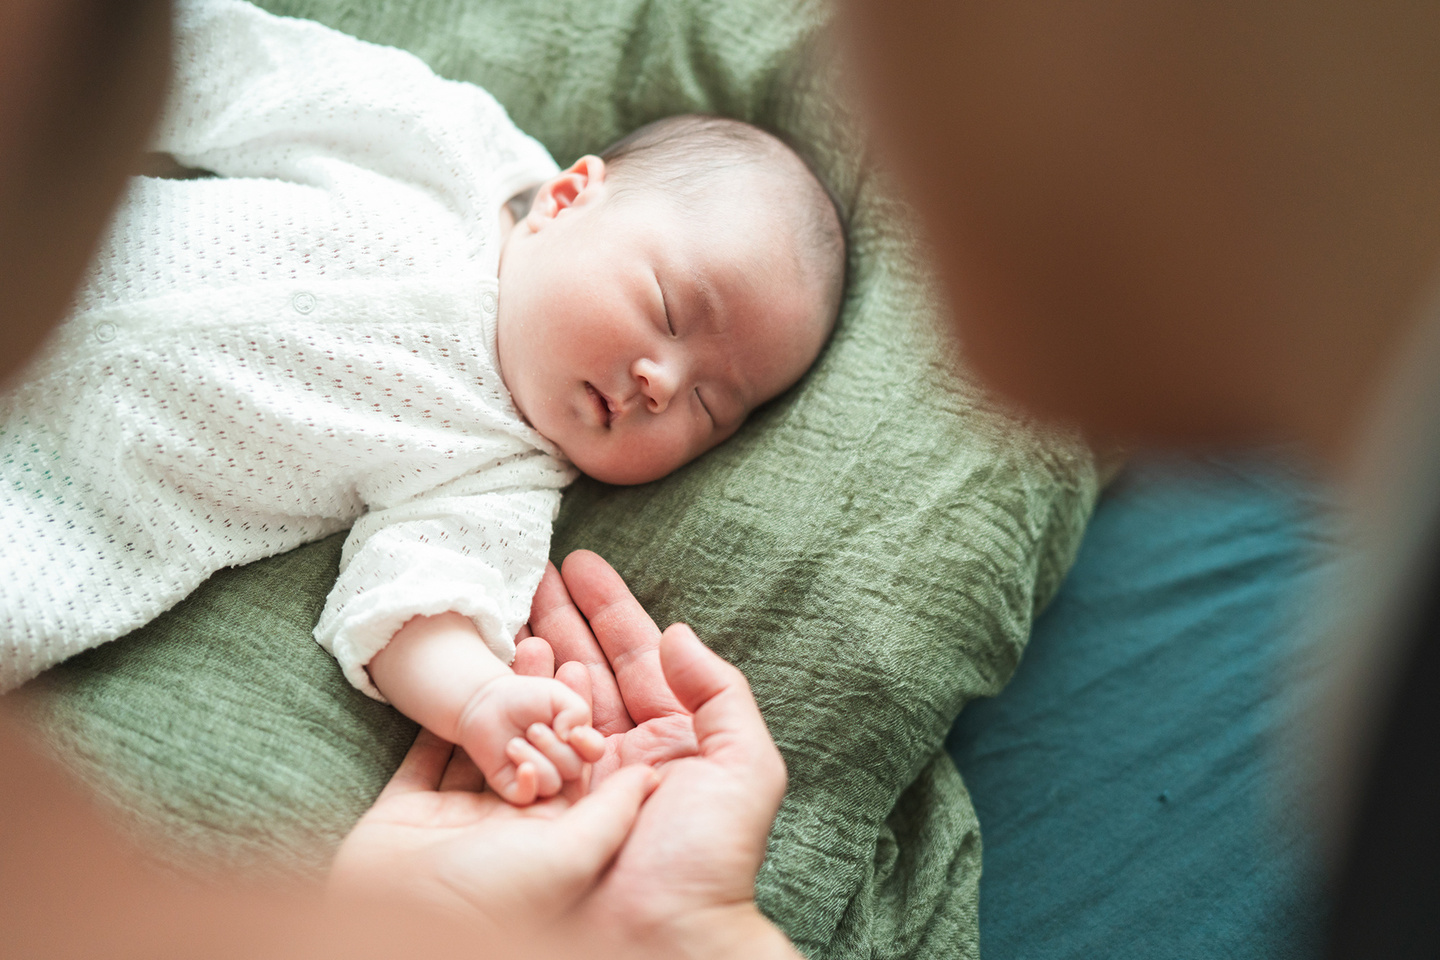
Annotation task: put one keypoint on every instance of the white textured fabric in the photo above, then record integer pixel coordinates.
(256, 360)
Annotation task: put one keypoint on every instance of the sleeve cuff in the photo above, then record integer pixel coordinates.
(367, 622)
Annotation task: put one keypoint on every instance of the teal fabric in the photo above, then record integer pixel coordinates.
(1132, 780)
(871, 550)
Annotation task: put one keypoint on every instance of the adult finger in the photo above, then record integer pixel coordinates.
(728, 724)
(574, 675)
(629, 638)
(554, 616)
(423, 767)
(534, 658)
(587, 740)
(595, 827)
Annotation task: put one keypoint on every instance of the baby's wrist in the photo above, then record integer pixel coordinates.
(432, 668)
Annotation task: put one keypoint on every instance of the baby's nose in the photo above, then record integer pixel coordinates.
(658, 383)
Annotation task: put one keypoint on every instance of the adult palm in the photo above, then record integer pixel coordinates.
(666, 699)
(590, 619)
(436, 836)
(437, 813)
(678, 878)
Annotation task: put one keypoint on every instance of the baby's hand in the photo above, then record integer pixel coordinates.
(528, 736)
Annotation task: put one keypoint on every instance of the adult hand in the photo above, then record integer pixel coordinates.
(436, 836)
(598, 630)
(684, 882)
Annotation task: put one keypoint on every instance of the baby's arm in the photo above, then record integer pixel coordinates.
(256, 95)
(526, 734)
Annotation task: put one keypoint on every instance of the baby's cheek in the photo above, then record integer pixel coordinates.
(642, 452)
(668, 452)
(605, 459)
(639, 457)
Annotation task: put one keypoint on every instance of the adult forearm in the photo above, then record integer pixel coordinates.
(70, 885)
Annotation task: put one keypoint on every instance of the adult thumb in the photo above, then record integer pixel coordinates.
(728, 724)
(593, 830)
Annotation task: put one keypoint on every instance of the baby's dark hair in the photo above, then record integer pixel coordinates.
(686, 155)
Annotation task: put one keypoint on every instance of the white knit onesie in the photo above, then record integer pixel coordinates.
(259, 359)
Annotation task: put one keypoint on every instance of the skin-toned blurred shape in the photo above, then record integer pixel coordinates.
(1171, 222)
(82, 83)
(1217, 223)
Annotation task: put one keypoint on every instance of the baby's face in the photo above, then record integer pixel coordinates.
(634, 337)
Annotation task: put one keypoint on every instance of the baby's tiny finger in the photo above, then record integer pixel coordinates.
(588, 742)
(522, 790)
(571, 713)
(547, 778)
(567, 762)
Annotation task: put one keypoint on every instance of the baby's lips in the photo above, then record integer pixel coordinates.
(604, 407)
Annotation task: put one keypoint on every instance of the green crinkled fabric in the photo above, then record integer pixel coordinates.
(871, 550)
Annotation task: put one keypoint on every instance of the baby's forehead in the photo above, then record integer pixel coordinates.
(731, 252)
(744, 224)
(716, 187)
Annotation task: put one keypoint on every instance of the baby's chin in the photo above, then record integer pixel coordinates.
(619, 468)
(623, 476)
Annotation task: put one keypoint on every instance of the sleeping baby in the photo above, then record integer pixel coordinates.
(389, 310)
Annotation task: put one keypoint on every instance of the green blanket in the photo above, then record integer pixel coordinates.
(871, 550)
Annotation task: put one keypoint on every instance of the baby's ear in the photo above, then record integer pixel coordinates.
(581, 184)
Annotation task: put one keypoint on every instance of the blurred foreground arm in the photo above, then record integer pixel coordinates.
(81, 82)
(70, 887)
(1170, 224)
(1216, 225)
